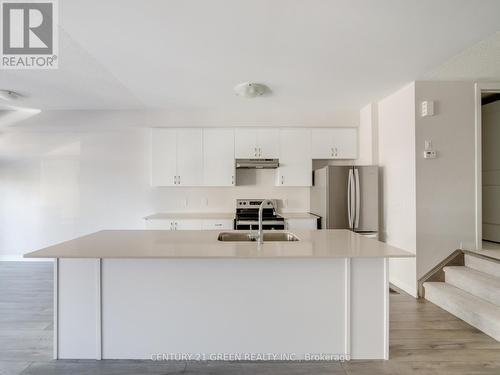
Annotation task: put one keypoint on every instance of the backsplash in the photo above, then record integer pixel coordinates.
(250, 184)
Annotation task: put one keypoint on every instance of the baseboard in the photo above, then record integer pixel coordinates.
(19, 258)
(411, 290)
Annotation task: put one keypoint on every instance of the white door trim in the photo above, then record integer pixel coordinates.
(479, 88)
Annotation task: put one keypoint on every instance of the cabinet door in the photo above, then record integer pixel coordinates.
(163, 157)
(345, 143)
(322, 143)
(222, 224)
(245, 143)
(295, 158)
(188, 224)
(190, 157)
(163, 224)
(218, 157)
(297, 224)
(334, 143)
(268, 143)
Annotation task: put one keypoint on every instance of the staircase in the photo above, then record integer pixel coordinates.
(471, 292)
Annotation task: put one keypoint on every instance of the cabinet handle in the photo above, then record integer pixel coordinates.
(171, 225)
(175, 180)
(282, 178)
(255, 151)
(175, 225)
(260, 152)
(232, 180)
(178, 180)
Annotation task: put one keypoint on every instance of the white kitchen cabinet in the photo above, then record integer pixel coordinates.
(163, 157)
(163, 224)
(174, 224)
(334, 143)
(245, 143)
(189, 224)
(218, 157)
(346, 143)
(301, 223)
(256, 143)
(205, 157)
(268, 143)
(222, 224)
(295, 158)
(189, 157)
(176, 157)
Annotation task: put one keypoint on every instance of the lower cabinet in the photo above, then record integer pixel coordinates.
(189, 224)
(222, 224)
(301, 223)
(226, 224)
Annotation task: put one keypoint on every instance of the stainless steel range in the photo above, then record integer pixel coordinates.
(247, 215)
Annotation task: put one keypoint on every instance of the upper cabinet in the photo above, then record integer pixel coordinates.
(256, 143)
(295, 158)
(205, 157)
(189, 157)
(177, 157)
(268, 143)
(334, 143)
(218, 157)
(163, 157)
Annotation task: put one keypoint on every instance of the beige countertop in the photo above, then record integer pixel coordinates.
(197, 244)
(220, 215)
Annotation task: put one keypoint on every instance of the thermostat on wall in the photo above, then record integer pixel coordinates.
(430, 154)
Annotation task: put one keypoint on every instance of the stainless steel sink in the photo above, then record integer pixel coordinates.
(247, 236)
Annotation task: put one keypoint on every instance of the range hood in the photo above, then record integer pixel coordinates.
(257, 163)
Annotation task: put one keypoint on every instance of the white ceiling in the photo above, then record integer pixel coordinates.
(183, 57)
(480, 62)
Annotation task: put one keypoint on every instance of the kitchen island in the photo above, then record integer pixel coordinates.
(141, 294)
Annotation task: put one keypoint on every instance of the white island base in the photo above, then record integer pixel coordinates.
(312, 308)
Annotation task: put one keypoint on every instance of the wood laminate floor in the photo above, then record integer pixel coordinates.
(424, 340)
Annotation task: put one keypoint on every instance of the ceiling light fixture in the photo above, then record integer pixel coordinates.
(251, 89)
(9, 95)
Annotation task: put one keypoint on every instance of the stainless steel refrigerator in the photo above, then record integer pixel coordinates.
(346, 197)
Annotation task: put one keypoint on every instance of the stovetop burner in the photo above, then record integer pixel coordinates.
(247, 215)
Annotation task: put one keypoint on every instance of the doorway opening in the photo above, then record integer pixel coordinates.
(488, 168)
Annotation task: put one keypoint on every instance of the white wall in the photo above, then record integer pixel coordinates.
(58, 185)
(368, 135)
(446, 185)
(428, 204)
(396, 136)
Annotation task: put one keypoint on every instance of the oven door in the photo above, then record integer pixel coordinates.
(254, 225)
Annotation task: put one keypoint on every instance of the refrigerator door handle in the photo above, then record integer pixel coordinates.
(357, 200)
(350, 186)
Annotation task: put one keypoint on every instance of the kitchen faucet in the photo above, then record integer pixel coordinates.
(260, 236)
